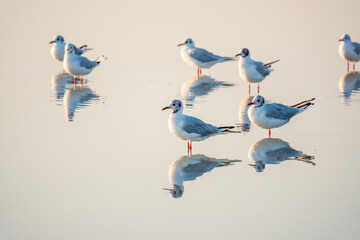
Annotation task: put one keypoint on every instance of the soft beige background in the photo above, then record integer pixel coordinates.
(100, 176)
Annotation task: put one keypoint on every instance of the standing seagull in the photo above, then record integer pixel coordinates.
(198, 57)
(77, 65)
(58, 49)
(189, 128)
(253, 71)
(348, 50)
(274, 115)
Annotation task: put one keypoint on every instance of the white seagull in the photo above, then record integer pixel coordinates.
(189, 128)
(58, 49)
(348, 50)
(199, 58)
(253, 71)
(274, 115)
(77, 65)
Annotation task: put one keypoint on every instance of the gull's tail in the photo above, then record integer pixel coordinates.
(226, 129)
(100, 59)
(229, 59)
(85, 48)
(304, 104)
(268, 65)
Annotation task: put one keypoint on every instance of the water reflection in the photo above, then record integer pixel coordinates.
(199, 87)
(245, 123)
(76, 98)
(349, 83)
(274, 151)
(190, 167)
(59, 83)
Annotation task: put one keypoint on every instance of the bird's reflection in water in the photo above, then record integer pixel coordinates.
(189, 167)
(199, 87)
(245, 123)
(59, 83)
(76, 98)
(274, 151)
(348, 84)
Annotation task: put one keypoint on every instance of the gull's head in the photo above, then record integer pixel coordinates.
(258, 101)
(259, 166)
(244, 53)
(69, 48)
(176, 191)
(187, 42)
(58, 39)
(175, 105)
(345, 38)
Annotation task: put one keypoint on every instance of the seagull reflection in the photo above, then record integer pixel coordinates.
(188, 168)
(199, 87)
(348, 83)
(274, 151)
(245, 122)
(76, 98)
(59, 83)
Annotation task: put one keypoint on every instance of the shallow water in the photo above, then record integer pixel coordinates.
(92, 161)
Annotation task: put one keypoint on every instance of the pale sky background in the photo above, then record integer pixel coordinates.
(101, 176)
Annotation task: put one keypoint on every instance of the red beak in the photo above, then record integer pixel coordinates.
(164, 108)
(340, 40)
(51, 42)
(237, 55)
(250, 103)
(180, 44)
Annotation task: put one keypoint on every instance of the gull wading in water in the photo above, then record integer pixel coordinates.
(253, 71)
(78, 65)
(274, 115)
(58, 48)
(189, 128)
(348, 50)
(199, 58)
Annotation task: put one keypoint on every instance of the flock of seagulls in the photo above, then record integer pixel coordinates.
(189, 128)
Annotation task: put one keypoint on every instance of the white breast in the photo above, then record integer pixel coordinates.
(247, 71)
(346, 51)
(58, 51)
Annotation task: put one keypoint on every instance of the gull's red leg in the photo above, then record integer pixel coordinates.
(269, 133)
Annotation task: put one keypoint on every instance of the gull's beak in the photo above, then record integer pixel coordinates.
(164, 108)
(167, 189)
(251, 164)
(239, 54)
(250, 103)
(51, 42)
(340, 40)
(180, 44)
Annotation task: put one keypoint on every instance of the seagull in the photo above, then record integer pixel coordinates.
(189, 128)
(58, 49)
(348, 50)
(274, 115)
(274, 151)
(253, 71)
(188, 168)
(78, 65)
(198, 57)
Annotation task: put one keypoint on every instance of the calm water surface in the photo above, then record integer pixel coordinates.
(97, 161)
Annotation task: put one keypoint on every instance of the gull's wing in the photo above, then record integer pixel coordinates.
(203, 56)
(279, 111)
(194, 125)
(356, 47)
(86, 63)
(261, 68)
